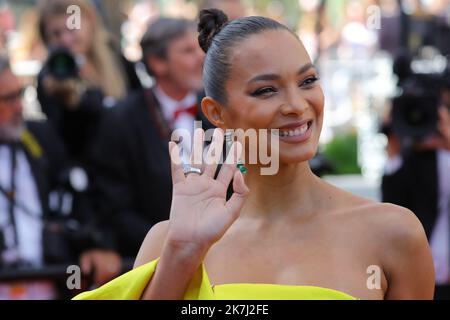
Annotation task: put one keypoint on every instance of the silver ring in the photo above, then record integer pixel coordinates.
(188, 169)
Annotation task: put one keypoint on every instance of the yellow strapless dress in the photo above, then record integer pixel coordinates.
(131, 285)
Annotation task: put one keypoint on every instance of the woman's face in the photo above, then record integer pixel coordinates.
(78, 41)
(273, 85)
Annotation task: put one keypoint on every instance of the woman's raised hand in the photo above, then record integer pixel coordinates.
(200, 214)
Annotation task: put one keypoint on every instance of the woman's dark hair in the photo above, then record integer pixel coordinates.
(217, 37)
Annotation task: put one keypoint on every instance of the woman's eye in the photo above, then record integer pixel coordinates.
(309, 81)
(263, 91)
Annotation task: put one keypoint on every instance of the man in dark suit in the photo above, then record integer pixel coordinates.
(132, 161)
(420, 181)
(33, 163)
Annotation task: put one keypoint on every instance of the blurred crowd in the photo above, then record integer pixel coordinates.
(88, 103)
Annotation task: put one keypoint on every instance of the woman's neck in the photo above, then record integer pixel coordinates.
(293, 191)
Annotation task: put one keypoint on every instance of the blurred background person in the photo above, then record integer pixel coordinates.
(84, 74)
(131, 158)
(33, 163)
(417, 174)
(75, 86)
(24, 181)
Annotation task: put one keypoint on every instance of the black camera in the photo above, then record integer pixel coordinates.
(62, 64)
(415, 110)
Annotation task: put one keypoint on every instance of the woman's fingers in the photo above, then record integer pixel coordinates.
(214, 153)
(176, 163)
(234, 205)
(197, 149)
(229, 167)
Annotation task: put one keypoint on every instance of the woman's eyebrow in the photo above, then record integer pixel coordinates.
(305, 68)
(273, 76)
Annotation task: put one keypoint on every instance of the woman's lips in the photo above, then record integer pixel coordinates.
(296, 134)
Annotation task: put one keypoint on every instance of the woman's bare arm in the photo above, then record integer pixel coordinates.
(408, 263)
(153, 243)
(175, 268)
(199, 216)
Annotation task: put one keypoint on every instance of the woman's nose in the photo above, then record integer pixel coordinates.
(294, 103)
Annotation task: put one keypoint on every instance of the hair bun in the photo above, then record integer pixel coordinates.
(211, 21)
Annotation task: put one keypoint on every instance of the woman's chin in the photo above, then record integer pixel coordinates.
(297, 156)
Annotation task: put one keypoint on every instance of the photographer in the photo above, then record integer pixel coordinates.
(417, 174)
(36, 227)
(82, 76)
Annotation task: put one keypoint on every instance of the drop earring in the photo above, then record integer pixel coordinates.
(229, 142)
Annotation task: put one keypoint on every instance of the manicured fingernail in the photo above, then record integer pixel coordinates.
(241, 167)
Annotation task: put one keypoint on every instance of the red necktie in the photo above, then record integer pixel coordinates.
(192, 110)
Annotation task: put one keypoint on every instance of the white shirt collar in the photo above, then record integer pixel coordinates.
(169, 105)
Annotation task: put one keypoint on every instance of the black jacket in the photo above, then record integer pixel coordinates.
(132, 169)
(47, 159)
(50, 169)
(48, 165)
(415, 186)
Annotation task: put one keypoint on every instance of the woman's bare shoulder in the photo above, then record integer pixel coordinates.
(398, 226)
(396, 238)
(152, 245)
(396, 229)
(402, 246)
(388, 221)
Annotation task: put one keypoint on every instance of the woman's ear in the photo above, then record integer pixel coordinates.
(213, 112)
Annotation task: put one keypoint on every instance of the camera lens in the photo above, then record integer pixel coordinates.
(415, 116)
(62, 64)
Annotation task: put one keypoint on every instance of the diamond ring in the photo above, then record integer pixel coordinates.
(188, 169)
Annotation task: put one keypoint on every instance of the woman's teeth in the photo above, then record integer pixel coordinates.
(296, 132)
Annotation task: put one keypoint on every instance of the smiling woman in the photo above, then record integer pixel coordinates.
(289, 235)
